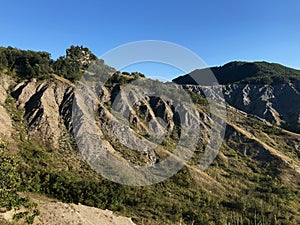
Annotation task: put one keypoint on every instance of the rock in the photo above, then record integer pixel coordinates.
(269, 102)
(43, 102)
(5, 119)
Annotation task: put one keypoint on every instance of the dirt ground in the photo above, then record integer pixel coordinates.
(53, 212)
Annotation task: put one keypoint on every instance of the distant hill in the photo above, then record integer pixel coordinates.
(244, 72)
(267, 90)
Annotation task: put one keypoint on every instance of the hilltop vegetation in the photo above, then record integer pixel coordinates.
(27, 64)
(23, 64)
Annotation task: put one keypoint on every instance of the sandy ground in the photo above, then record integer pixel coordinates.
(53, 212)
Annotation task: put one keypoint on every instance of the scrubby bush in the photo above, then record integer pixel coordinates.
(10, 184)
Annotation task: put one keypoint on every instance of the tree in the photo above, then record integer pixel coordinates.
(25, 64)
(3, 60)
(72, 65)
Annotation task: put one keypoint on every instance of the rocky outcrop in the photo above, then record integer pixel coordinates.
(138, 122)
(132, 126)
(278, 103)
(44, 103)
(5, 119)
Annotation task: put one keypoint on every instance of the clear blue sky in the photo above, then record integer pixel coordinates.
(218, 31)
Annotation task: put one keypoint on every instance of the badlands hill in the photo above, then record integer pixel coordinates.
(254, 178)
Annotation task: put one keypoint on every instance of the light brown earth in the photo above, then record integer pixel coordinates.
(53, 212)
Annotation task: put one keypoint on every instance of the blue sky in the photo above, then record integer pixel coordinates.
(218, 31)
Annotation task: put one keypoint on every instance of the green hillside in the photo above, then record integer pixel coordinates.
(236, 72)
